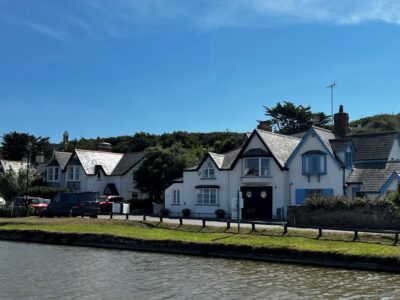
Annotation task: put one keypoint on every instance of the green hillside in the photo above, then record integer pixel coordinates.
(376, 123)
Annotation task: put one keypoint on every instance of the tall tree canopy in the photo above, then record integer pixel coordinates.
(161, 167)
(289, 118)
(14, 145)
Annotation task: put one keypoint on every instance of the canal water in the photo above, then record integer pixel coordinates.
(35, 271)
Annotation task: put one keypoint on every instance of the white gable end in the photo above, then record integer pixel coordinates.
(395, 152)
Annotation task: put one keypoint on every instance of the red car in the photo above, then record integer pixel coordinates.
(38, 206)
(105, 202)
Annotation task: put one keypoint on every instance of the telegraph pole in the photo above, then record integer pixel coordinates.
(332, 86)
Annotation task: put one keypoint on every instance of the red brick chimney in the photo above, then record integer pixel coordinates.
(341, 122)
(265, 125)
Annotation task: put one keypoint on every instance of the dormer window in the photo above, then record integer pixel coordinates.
(256, 166)
(314, 163)
(208, 171)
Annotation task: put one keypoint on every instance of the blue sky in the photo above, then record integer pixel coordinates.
(108, 68)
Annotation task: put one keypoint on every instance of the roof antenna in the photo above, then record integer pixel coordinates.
(332, 86)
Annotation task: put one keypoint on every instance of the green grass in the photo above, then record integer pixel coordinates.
(339, 243)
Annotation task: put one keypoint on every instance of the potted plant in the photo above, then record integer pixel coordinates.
(220, 213)
(186, 212)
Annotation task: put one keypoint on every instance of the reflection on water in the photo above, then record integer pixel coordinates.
(33, 271)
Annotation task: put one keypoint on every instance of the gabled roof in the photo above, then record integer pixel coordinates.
(280, 146)
(222, 161)
(89, 159)
(62, 158)
(373, 179)
(128, 161)
(324, 136)
(373, 146)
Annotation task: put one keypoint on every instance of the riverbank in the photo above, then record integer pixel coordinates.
(334, 250)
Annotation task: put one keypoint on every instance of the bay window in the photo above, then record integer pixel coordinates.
(256, 166)
(314, 163)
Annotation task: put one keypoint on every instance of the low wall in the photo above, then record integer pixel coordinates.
(363, 218)
(282, 255)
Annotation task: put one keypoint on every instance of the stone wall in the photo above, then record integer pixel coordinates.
(365, 218)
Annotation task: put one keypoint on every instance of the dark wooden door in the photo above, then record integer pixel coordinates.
(257, 202)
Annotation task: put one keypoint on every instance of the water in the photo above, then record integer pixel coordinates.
(34, 271)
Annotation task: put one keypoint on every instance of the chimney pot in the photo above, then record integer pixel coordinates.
(265, 125)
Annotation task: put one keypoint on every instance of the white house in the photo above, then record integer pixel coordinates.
(101, 171)
(272, 171)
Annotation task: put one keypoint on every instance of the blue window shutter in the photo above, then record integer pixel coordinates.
(300, 196)
(328, 192)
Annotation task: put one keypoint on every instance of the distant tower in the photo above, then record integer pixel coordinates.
(65, 141)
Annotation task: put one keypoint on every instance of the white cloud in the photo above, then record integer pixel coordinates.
(100, 19)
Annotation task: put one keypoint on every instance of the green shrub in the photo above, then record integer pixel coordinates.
(342, 202)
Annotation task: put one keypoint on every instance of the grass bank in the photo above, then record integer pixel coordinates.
(370, 246)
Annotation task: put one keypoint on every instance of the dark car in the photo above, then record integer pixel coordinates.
(63, 204)
(90, 208)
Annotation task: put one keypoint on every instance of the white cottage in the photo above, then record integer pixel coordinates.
(104, 172)
(272, 171)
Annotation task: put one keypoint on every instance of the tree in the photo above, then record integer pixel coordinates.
(289, 118)
(14, 145)
(160, 168)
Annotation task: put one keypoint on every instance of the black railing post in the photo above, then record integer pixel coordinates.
(396, 239)
(284, 229)
(180, 221)
(319, 233)
(111, 215)
(355, 235)
(204, 223)
(253, 227)
(161, 219)
(144, 217)
(228, 224)
(127, 217)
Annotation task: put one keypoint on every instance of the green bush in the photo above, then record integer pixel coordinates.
(391, 201)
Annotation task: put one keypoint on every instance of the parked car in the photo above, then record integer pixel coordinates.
(38, 206)
(90, 208)
(63, 204)
(105, 202)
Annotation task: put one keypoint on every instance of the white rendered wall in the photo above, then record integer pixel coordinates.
(332, 180)
(395, 152)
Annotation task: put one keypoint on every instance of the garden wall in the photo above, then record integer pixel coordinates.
(359, 217)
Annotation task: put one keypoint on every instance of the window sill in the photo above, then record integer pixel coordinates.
(208, 178)
(207, 204)
(269, 176)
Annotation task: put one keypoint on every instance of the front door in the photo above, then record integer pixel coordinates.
(257, 202)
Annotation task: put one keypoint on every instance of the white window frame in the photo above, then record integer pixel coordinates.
(176, 197)
(75, 173)
(51, 174)
(205, 195)
(260, 159)
(208, 171)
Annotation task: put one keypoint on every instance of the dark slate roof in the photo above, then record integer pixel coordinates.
(373, 179)
(338, 145)
(224, 161)
(62, 158)
(128, 161)
(281, 146)
(373, 146)
(326, 136)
